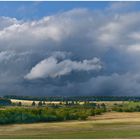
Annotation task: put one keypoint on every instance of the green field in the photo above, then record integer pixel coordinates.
(108, 125)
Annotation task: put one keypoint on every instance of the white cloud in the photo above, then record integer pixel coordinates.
(4, 55)
(135, 36)
(134, 48)
(50, 67)
(7, 21)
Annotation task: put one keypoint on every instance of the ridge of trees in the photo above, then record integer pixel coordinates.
(75, 98)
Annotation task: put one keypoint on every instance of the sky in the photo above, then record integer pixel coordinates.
(36, 10)
(70, 48)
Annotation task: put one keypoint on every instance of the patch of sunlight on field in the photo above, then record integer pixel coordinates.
(29, 102)
(24, 102)
(117, 115)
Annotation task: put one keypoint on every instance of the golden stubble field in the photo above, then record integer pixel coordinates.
(29, 102)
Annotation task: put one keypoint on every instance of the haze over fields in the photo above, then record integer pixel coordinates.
(70, 48)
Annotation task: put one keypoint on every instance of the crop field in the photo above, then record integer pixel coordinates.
(108, 125)
(29, 102)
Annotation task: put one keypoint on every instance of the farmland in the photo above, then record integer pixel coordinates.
(29, 102)
(108, 125)
(69, 119)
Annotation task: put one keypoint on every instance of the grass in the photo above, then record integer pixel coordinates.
(108, 125)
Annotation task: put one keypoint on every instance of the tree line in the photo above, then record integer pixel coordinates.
(75, 98)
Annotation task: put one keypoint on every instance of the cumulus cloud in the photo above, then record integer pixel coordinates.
(72, 51)
(50, 67)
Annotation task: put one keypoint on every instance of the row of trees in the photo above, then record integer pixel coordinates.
(30, 115)
(66, 104)
(40, 103)
(75, 98)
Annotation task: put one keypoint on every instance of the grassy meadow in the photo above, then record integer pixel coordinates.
(108, 125)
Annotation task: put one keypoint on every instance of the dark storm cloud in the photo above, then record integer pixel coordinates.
(77, 52)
